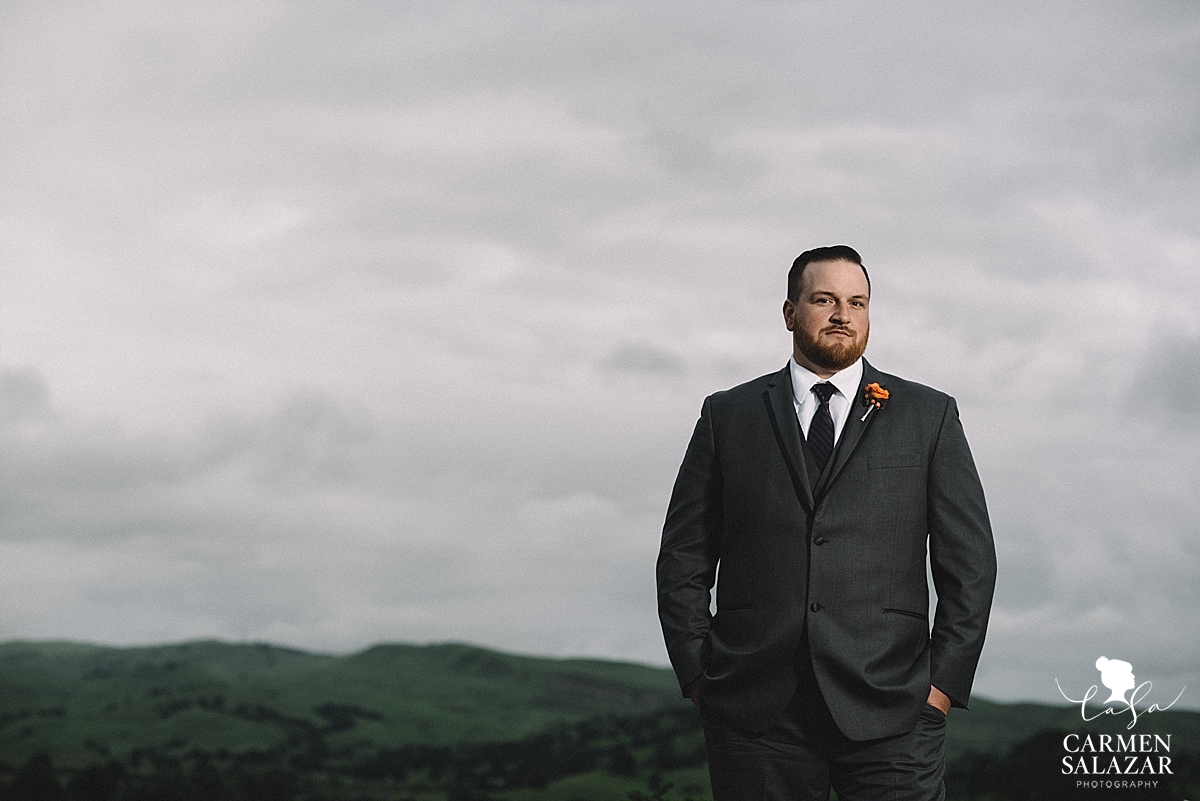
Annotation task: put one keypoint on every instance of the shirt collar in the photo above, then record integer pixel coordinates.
(847, 381)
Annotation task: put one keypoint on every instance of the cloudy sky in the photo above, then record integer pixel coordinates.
(331, 324)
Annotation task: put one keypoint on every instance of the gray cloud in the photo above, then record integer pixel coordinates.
(641, 357)
(1168, 386)
(335, 326)
(23, 396)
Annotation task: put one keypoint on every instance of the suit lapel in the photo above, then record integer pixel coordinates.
(782, 408)
(854, 430)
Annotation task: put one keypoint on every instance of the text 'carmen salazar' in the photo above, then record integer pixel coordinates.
(1108, 754)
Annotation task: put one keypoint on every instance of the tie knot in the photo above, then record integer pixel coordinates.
(824, 391)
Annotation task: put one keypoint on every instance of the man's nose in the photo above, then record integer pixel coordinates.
(840, 314)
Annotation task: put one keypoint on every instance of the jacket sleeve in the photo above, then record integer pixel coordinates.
(687, 560)
(962, 558)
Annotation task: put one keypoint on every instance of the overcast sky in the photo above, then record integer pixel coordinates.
(332, 324)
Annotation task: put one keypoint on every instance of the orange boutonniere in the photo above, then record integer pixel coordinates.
(875, 396)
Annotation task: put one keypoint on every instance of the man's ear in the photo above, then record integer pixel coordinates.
(789, 311)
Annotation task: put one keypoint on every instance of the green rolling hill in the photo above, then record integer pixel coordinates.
(80, 702)
(424, 723)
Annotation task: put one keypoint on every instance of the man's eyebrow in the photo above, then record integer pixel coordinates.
(859, 296)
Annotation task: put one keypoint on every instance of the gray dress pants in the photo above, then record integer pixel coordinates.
(805, 755)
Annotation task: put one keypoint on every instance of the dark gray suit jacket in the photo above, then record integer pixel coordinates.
(841, 555)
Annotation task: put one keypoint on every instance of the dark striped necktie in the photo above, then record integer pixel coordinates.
(820, 430)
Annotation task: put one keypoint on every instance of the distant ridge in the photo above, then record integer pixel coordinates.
(81, 701)
(255, 701)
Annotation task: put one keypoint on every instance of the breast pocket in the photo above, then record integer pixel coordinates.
(893, 462)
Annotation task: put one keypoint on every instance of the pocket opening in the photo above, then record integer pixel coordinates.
(908, 613)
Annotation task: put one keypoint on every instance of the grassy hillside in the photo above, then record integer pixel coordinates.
(80, 702)
(428, 723)
(992, 728)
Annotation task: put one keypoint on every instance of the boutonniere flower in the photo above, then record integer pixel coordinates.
(875, 396)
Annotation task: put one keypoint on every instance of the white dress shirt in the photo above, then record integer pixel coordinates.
(840, 402)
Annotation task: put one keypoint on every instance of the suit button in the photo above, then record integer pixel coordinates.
(820, 541)
(816, 607)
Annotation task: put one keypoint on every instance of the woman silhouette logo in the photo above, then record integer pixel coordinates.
(1116, 675)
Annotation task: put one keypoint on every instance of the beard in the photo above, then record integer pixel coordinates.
(831, 354)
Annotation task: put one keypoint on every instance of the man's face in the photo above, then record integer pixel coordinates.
(828, 320)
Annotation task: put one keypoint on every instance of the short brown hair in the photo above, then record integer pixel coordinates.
(831, 253)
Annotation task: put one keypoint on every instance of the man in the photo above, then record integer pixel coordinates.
(816, 491)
